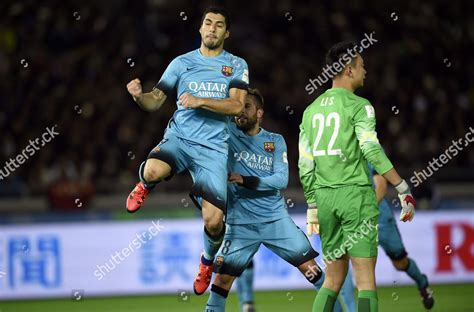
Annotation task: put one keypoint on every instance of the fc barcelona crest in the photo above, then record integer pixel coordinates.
(227, 70)
(269, 146)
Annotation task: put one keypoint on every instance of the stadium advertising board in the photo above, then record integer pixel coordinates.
(161, 256)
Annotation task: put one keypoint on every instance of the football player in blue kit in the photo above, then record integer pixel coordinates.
(211, 85)
(257, 212)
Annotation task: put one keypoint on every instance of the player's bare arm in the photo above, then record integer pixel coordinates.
(393, 177)
(232, 105)
(374, 153)
(150, 101)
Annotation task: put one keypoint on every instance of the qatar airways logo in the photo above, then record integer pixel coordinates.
(208, 89)
(255, 161)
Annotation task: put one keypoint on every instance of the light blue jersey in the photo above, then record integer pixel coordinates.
(203, 77)
(262, 161)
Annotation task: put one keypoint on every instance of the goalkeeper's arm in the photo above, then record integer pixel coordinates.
(306, 167)
(380, 187)
(364, 121)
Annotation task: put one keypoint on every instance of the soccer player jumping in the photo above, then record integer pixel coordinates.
(211, 85)
(337, 138)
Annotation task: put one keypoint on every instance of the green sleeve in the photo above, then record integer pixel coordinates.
(306, 166)
(364, 122)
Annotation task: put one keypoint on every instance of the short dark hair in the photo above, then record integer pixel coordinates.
(218, 10)
(338, 51)
(256, 94)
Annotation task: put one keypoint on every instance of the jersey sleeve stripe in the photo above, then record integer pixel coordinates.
(368, 137)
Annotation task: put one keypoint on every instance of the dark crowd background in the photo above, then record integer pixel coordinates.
(68, 63)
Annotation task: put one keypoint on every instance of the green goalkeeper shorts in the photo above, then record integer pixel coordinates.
(348, 221)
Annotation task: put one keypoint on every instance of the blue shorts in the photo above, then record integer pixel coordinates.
(208, 168)
(389, 236)
(241, 242)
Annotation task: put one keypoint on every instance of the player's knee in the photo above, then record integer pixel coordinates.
(156, 170)
(400, 264)
(213, 225)
(213, 219)
(152, 173)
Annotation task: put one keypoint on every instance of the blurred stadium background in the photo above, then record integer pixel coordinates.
(63, 210)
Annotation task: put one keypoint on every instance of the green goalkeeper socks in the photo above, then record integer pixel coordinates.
(368, 301)
(325, 300)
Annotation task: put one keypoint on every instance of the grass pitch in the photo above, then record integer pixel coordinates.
(456, 298)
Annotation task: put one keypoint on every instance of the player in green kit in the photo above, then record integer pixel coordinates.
(337, 139)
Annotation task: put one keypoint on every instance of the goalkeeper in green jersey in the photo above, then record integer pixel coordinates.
(337, 139)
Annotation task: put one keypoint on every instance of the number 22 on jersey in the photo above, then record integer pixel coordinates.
(324, 123)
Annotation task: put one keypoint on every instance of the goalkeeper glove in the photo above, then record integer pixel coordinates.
(312, 222)
(407, 201)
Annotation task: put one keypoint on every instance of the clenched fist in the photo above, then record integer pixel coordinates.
(189, 101)
(134, 87)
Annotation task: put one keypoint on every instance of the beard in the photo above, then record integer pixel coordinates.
(212, 45)
(248, 124)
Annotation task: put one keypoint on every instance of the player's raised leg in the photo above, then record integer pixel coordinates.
(151, 172)
(163, 161)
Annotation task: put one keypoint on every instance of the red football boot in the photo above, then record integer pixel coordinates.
(203, 278)
(137, 197)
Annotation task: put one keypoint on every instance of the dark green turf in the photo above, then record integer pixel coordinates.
(449, 298)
